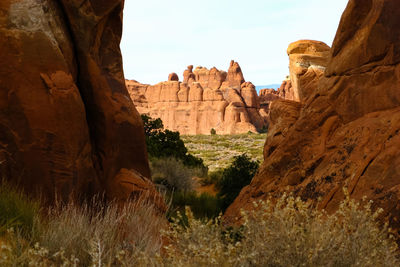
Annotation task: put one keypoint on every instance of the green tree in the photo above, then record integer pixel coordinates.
(165, 143)
(234, 178)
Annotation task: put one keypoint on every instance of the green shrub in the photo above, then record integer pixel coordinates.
(213, 177)
(213, 131)
(234, 178)
(165, 143)
(203, 205)
(17, 211)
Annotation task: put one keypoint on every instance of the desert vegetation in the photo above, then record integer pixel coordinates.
(218, 151)
(287, 233)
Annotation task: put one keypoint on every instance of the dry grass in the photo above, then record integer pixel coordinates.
(288, 233)
(94, 234)
(218, 151)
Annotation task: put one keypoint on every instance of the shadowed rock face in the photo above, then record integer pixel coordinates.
(67, 122)
(347, 132)
(207, 99)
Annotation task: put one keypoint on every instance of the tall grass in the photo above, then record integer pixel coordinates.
(173, 174)
(289, 232)
(93, 234)
(202, 206)
(17, 211)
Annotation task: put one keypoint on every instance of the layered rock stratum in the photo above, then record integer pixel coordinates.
(345, 131)
(67, 124)
(206, 99)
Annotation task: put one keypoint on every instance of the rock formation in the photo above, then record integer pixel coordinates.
(346, 131)
(67, 122)
(207, 99)
(307, 62)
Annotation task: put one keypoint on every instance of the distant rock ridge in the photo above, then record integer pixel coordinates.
(206, 99)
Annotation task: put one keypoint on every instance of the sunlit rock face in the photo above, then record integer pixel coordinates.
(67, 123)
(205, 100)
(307, 63)
(346, 131)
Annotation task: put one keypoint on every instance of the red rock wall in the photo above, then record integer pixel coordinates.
(67, 122)
(207, 99)
(347, 132)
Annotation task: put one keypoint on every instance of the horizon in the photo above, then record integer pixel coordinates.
(160, 38)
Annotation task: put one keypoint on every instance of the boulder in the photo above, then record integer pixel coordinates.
(173, 77)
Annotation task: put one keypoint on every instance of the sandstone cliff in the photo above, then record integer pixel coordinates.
(205, 100)
(346, 130)
(67, 123)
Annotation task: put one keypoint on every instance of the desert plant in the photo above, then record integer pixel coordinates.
(213, 131)
(234, 178)
(213, 177)
(94, 234)
(17, 210)
(288, 233)
(173, 174)
(202, 206)
(165, 143)
(218, 151)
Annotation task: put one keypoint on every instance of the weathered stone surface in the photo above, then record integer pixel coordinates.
(188, 75)
(67, 122)
(234, 77)
(173, 77)
(204, 101)
(307, 62)
(347, 132)
(286, 90)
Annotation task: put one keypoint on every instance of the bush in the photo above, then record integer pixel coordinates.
(290, 233)
(213, 177)
(234, 178)
(90, 235)
(173, 174)
(213, 131)
(203, 206)
(17, 211)
(264, 129)
(165, 143)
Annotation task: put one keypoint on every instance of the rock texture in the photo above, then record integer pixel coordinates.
(67, 123)
(307, 62)
(207, 99)
(347, 132)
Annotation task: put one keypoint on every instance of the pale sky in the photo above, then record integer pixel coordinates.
(160, 36)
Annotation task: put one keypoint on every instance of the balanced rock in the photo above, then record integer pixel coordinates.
(67, 123)
(173, 77)
(347, 134)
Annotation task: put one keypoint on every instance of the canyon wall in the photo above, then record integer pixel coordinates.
(205, 100)
(345, 131)
(67, 124)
